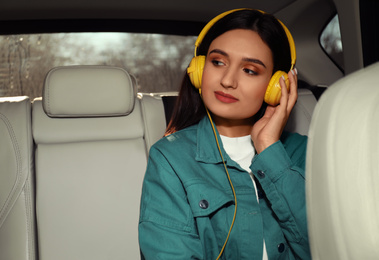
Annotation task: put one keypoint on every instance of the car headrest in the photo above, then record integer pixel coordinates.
(88, 91)
(343, 171)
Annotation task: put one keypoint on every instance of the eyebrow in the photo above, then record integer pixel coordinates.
(257, 61)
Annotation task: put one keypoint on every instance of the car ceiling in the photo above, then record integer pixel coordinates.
(196, 10)
(168, 16)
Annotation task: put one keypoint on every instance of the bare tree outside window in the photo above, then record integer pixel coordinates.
(157, 61)
(331, 42)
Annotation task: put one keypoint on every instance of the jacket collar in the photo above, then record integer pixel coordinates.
(207, 150)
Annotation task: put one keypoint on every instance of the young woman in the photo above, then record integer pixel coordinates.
(229, 184)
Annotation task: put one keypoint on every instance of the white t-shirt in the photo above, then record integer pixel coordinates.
(241, 150)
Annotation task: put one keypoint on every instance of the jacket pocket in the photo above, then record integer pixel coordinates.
(206, 199)
(213, 208)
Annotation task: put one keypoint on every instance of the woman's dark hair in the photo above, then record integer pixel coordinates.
(189, 108)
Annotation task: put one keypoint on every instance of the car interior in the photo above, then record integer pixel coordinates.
(74, 144)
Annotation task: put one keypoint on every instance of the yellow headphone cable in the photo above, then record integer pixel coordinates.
(230, 182)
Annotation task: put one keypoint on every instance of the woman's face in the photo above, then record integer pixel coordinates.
(237, 70)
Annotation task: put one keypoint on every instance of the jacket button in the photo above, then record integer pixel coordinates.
(261, 174)
(281, 247)
(203, 204)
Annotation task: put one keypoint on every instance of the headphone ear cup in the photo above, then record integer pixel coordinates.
(195, 70)
(274, 90)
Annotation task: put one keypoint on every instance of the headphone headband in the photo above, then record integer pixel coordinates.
(208, 26)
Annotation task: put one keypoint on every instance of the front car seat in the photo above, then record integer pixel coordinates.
(343, 170)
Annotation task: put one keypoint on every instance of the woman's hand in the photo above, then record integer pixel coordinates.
(269, 128)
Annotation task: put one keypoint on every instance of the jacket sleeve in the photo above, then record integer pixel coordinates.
(166, 227)
(280, 170)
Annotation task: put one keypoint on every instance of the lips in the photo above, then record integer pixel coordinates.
(225, 98)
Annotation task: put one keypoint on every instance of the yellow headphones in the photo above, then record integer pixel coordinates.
(273, 92)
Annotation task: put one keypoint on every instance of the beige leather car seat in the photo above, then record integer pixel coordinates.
(301, 115)
(154, 118)
(91, 157)
(343, 170)
(17, 215)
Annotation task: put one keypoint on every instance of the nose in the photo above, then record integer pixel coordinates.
(229, 79)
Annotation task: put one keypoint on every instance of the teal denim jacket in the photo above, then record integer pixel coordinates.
(187, 204)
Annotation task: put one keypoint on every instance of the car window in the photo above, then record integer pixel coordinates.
(157, 61)
(330, 40)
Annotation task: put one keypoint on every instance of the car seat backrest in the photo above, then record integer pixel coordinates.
(17, 214)
(90, 162)
(301, 115)
(154, 118)
(343, 171)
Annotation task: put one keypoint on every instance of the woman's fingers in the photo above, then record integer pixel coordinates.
(284, 97)
(292, 76)
(289, 97)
